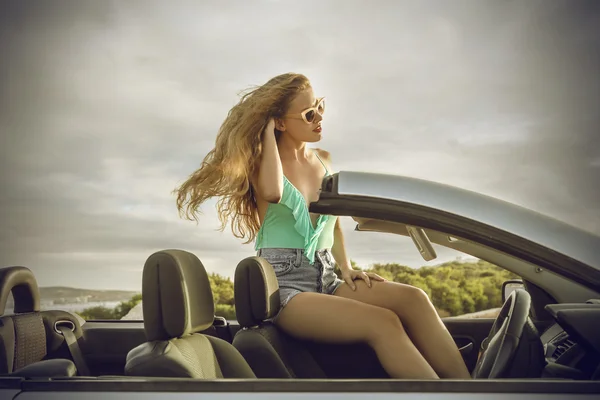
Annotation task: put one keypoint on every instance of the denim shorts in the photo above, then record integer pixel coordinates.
(295, 274)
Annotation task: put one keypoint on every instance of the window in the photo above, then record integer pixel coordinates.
(457, 283)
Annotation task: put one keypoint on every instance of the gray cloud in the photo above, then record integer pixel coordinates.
(105, 107)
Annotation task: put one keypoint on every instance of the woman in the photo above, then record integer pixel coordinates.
(265, 176)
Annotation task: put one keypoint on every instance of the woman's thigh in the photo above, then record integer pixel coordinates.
(327, 318)
(404, 300)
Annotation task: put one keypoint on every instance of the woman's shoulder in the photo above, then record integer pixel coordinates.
(323, 154)
(325, 158)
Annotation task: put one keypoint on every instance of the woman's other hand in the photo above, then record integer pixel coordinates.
(350, 275)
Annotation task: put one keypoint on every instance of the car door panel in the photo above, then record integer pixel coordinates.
(108, 342)
(469, 331)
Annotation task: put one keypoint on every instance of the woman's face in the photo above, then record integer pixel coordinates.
(303, 118)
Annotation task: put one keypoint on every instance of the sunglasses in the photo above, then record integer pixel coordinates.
(309, 114)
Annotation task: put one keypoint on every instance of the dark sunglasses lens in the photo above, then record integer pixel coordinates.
(310, 116)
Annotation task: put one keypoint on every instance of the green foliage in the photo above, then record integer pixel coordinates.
(455, 288)
(99, 312)
(124, 307)
(226, 311)
(222, 289)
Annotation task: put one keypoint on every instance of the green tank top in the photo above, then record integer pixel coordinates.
(287, 224)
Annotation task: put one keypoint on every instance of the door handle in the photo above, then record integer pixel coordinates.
(466, 349)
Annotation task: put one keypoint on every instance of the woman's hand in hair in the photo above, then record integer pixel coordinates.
(270, 127)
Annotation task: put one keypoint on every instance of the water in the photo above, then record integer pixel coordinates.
(77, 307)
(72, 307)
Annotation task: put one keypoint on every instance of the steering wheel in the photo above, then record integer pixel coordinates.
(503, 339)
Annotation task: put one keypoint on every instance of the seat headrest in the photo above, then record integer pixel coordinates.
(176, 293)
(21, 282)
(256, 291)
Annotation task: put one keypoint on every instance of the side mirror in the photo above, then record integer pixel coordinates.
(510, 286)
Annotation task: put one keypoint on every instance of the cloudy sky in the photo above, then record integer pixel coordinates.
(106, 106)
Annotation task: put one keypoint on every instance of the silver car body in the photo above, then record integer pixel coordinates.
(573, 242)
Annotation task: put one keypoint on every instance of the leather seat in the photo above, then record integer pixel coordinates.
(270, 352)
(30, 338)
(178, 304)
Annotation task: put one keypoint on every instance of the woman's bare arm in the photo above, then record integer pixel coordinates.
(339, 248)
(268, 182)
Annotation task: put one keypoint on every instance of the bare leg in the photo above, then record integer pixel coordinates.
(420, 319)
(326, 318)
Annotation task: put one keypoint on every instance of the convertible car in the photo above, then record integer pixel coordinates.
(545, 340)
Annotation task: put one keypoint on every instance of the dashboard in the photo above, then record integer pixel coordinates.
(572, 343)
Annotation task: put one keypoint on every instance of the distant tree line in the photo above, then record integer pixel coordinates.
(455, 288)
(121, 310)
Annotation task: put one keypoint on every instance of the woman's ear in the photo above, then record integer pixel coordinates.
(279, 125)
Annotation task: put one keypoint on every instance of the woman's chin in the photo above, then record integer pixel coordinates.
(316, 137)
(312, 137)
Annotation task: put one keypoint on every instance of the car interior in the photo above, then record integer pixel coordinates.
(549, 327)
(36, 343)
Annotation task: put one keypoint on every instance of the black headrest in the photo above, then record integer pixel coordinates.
(21, 282)
(256, 291)
(176, 293)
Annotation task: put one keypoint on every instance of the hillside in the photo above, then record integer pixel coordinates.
(66, 295)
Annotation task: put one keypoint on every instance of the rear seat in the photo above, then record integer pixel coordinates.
(30, 335)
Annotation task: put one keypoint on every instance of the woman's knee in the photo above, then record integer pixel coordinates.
(415, 301)
(415, 297)
(383, 323)
(419, 295)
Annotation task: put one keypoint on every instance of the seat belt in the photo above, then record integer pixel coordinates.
(75, 350)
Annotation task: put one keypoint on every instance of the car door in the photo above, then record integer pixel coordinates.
(468, 334)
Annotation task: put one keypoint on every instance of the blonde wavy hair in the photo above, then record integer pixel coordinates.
(227, 169)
